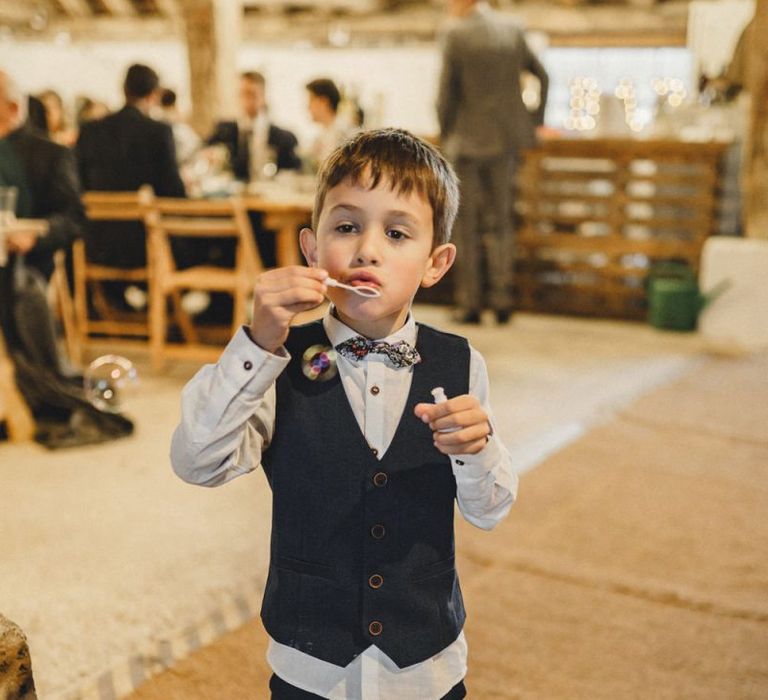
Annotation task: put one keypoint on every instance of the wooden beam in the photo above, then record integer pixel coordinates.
(756, 162)
(75, 8)
(119, 8)
(212, 29)
(168, 8)
(12, 12)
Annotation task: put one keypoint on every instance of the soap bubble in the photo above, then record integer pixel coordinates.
(107, 381)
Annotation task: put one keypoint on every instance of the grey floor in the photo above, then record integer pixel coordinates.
(105, 551)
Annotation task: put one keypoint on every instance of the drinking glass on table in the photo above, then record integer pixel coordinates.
(8, 196)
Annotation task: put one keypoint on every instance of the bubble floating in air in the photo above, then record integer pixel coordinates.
(108, 381)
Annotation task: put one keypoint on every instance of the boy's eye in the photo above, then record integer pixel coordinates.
(345, 228)
(396, 235)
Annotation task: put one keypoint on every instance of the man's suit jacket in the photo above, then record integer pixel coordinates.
(480, 107)
(281, 140)
(51, 192)
(123, 152)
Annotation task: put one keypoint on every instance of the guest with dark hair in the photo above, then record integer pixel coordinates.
(254, 141)
(36, 117)
(323, 104)
(55, 115)
(257, 148)
(122, 152)
(185, 137)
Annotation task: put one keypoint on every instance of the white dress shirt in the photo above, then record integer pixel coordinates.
(227, 419)
(258, 142)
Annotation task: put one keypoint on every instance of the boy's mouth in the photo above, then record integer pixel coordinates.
(363, 279)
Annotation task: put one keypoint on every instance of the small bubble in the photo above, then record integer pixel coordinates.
(108, 380)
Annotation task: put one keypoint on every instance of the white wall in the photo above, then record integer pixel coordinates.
(396, 85)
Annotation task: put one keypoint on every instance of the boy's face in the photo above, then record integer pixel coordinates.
(378, 238)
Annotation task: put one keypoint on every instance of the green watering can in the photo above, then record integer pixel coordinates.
(674, 298)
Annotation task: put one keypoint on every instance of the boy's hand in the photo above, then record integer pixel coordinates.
(278, 296)
(464, 416)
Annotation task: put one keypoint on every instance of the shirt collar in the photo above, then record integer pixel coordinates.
(339, 332)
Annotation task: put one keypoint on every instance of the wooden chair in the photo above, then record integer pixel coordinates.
(109, 206)
(61, 298)
(13, 408)
(194, 219)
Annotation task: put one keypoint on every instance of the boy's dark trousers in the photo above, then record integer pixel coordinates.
(285, 691)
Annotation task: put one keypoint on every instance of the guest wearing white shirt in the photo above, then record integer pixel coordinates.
(323, 104)
(362, 600)
(253, 140)
(257, 149)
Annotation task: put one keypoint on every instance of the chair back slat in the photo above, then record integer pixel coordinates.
(117, 206)
(202, 227)
(178, 219)
(103, 206)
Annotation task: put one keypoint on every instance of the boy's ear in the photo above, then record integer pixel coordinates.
(440, 262)
(308, 243)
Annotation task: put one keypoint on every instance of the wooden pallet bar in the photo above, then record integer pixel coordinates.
(597, 214)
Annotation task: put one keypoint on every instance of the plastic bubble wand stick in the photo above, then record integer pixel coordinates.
(362, 290)
(438, 393)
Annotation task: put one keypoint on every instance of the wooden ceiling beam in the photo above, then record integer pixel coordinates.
(74, 8)
(119, 8)
(13, 12)
(168, 8)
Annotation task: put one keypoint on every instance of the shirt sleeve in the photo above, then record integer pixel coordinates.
(486, 482)
(227, 414)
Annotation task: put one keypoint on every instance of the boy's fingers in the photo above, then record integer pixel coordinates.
(459, 420)
(469, 434)
(465, 448)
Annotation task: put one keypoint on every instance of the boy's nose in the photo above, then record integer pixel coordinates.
(367, 250)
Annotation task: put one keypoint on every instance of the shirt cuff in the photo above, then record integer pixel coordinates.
(480, 464)
(249, 366)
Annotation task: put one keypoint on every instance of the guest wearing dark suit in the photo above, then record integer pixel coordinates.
(124, 151)
(484, 124)
(254, 141)
(46, 178)
(257, 148)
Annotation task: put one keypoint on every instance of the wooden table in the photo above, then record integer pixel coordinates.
(285, 209)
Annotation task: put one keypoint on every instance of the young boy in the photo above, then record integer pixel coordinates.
(362, 599)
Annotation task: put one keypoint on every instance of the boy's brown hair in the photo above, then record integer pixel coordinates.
(406, 161)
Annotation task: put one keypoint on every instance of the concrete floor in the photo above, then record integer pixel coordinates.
(106, 553)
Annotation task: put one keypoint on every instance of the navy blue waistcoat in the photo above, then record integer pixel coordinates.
(362, 549)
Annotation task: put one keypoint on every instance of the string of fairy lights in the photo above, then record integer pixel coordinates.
(587, 101)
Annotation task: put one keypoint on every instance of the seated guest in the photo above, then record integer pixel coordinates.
(46, 178)
(254, 141)
(257, 148)
(324, 99)
(185, 137)
(122, 152)
(56, 119)
(89, 110)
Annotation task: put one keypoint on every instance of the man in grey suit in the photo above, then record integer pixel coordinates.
(484, 124)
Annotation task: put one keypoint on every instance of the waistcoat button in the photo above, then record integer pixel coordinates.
(375, 628)
(378, 531)
(380, 479)
(376, 581)
(375, 452)
(375, 390)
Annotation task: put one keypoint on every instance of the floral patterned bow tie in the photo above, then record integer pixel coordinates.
(400, 354)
